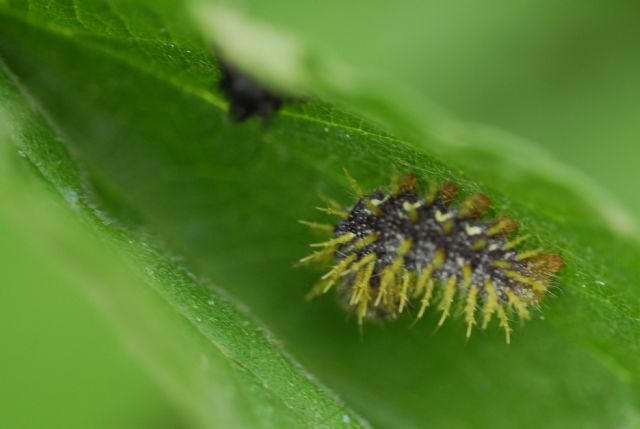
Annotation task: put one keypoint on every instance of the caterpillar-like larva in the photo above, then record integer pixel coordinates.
(400, 249)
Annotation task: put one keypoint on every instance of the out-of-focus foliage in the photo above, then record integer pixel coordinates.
(60, 364)
(563, 74)
(114, 105)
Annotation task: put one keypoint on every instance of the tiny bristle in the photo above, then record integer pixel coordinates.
(330, 210)
(503, 225)
(431, 194)
(528, 254)
(355, 187)
(474, 206)
(448, 191)
(408, 183)
(504, 322)
(397, 251)
(317, 226)
(341, 239)
(447, 298)
(515, 242)
(553, 263)
(330, 202)
(470, 308)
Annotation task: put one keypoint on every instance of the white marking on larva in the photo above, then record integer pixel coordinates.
(376, 202)
(494, 246)
(408, 206)
(443, 217)
(473, 230)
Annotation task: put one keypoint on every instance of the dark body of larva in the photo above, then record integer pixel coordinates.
(393, 250)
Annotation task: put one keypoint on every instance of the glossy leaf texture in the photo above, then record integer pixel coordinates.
(116, 105)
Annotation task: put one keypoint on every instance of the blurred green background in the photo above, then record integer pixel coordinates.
(563, 74)
(61, 365)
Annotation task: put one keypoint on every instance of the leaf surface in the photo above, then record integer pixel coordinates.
(116, 106)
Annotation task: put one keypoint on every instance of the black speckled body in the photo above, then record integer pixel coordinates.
(399, 249)
(427, 235)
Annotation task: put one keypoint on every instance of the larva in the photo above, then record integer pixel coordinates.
(399, 249)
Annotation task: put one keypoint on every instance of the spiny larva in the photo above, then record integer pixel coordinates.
(400, 249)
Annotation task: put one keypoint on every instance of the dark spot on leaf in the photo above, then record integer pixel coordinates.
(247, 97)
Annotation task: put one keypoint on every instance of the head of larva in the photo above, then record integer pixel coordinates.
(401, 250)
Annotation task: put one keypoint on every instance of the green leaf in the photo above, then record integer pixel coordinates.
(207, 210)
